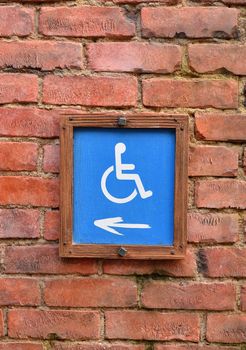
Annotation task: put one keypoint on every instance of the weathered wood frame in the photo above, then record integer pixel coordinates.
(177, 122)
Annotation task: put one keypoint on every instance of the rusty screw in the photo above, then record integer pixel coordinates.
(122, 251)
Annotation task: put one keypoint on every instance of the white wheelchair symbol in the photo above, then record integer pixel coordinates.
(119, 167)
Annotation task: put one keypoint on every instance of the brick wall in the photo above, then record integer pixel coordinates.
(127, 55)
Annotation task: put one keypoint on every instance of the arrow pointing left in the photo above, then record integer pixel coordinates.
(108, 224)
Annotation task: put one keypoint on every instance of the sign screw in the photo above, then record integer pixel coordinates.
(122, 251)
(122, 121)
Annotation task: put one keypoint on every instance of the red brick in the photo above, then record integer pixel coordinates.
(52, 225)
(212, 228)
(244, 160)
(190, 22)
(243, 298)
(226, 328)
(29, 122)
(159, 92)
(91, 91)
(44, 259)
(193, 347)
(227, 2)
(29, 191)
(20, 346)
(220, 127)
(244, 228)
(207, 161)
(176, 268)
(96, 346)
(134, 57)
(218, 194)
(86, 21)
(225, 262)
(18, 88)
(51, 158)
(13, 223)
(38, 1)
(44, 55)
(205, 58)
(18, 156)
(163, 2)
(22, 291)
(234, 2)
(65, 324)
(141, 325)
(16, 20)
(1, 324)
(191, 296)
(97, 292)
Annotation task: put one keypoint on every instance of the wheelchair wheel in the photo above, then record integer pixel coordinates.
(108, 195)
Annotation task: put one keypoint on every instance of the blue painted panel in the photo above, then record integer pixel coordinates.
(105, 182)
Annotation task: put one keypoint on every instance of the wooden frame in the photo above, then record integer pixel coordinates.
(180, 124)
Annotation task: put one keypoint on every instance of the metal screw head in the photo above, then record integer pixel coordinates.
(122, 121)
(122, 251)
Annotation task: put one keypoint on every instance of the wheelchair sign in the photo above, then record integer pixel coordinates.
(124, 186)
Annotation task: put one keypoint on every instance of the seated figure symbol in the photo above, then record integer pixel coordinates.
(119, 169)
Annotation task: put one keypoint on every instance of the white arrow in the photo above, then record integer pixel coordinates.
(107, 224)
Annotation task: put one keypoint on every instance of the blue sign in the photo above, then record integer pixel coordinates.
(123, 186)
